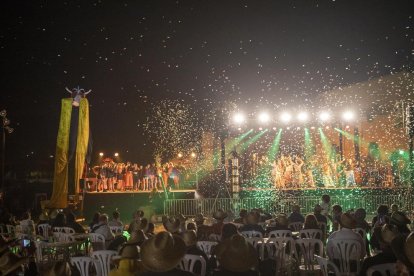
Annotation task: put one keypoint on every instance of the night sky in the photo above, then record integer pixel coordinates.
(135, 53)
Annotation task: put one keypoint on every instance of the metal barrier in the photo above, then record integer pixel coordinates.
(283, 203)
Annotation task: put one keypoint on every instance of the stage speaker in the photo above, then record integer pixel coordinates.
(409, 119)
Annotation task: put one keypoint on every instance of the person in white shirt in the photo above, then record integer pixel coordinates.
(103, 228)
(347, 222)
(115, 221)
(27, 225)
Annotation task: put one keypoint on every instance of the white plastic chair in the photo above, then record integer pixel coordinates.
(11, 229)
(83, 264)
(103, 261)
(117, 230)
(295, 226)
(307, 250)
(346, 251)
(252, 234)
(257, 243)
(206, 246)
(383, 269)
(68, 230)
(273, 244)
(310, 234)
(58, 229)
(97, 240)
(43, 229)
(188, 264)
(280, 233)
(63, 237)
(276, 250)
(326, 266)
(363, 234)
(214, 237)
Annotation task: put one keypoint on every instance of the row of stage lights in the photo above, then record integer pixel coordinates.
(240, 118)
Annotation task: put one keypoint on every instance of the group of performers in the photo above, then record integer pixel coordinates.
(113, 176)
(291, 171)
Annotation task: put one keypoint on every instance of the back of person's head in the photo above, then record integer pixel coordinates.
(228, 230)
(337, 209)
(382, 209)
(311, 222)
(317, 209)
(60, 219)
(243, 213)
(70, 218)
(103, 218)
(151, 227)
(95, 218)
(191, 226)
(190, 238)
(26, 215)
(296, 208)
(348, 221)
(360, 214)
(116, 214)
(326, 198)
(394, 208)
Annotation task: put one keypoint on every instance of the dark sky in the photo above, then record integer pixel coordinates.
(133, 53)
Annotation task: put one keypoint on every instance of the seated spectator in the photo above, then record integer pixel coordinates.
(296, 216)
(228, 230)
(95, 220)
(263, 216)
(242, 216)
(347, 222)
(394, 208)
(103, 228)
(27, 224)
(150, 231)
(72, 223)
(44, 217)
(382, 216)
(236, 257)
(400, 220)
(161, 254)
(311, 223)
(116, 221)
(59, 221)
(360, 215)
(191, 226)
(326, 206)
(336, 217)
(384, 236)
(171, 224)
(402, 246)
(252, 221)
(137, 238)
(219, 215)
(281, 223)
(128, 265)
(136, 219)
(190, 240)
(203, 231)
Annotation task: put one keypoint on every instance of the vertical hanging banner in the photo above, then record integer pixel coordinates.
(71, 148)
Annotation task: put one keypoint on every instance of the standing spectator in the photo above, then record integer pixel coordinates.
(27, 224)
(115, 221)
(317, 211)
(382, 216)
(326, 206)
(296, 216)
(72, 223)
(336, 217)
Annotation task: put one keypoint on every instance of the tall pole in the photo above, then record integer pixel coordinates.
(3, 156)
(341, 144)
(356, 144)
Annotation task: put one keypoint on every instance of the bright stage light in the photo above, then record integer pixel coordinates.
(193, 155)
(239, 118)
(285, 117)
(303, 116)
(180, 155)
(324, 116)
(348, 116)
(264, 117)
(101, 154)
(116, 154)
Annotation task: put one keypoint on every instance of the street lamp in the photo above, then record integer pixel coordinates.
(5, 128)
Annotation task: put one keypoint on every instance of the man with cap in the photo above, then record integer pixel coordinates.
(161, 254)
(347, 223)
(384, 235)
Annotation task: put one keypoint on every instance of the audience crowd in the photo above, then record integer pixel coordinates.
(327, 241)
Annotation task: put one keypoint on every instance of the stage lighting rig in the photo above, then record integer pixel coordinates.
(239, 118)
(303, 117)
(348, 116)
(324, 116)
(264, 117)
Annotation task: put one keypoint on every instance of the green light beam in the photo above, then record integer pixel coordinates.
(274, 149)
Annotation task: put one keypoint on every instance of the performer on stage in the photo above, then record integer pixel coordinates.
(349, 173)
(297, 176)
(128, 179)
(327, 175)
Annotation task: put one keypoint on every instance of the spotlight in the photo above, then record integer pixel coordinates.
(101, 154)
(3, 113)
(260, 128)
(264, 117)
(180, 155)
(303, 116)
(116, 154)
(285, 117)
(327, 127)
(347, 127)
(274, 128)
(193, 155)
(401, 152)
(324, 116)
(239, 129)
(348, 116)
(239, 118)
